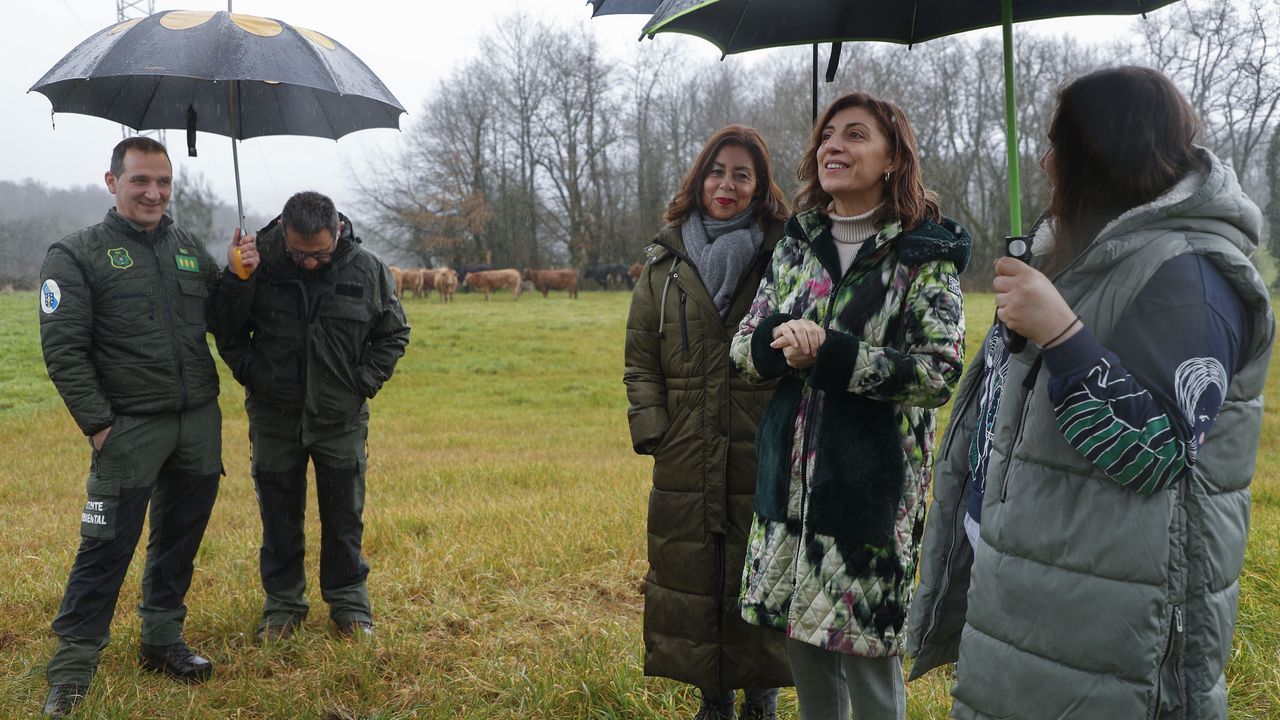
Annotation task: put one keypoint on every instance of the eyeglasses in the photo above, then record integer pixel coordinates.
(300, 256)
(321, 256)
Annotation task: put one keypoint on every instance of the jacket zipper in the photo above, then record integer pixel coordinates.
(956, 414)
(684, 323)
(173, 334)
(720, 569)
(1175, 630)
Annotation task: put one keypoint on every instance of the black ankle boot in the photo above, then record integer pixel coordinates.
(63, 698)
(176, 660)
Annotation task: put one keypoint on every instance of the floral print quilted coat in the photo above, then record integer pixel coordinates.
(846, 446)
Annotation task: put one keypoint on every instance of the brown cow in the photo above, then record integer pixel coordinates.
(633, 272)
(560, 279)
(446, 282)
(426, 281)
(487, 281)
(399, 276)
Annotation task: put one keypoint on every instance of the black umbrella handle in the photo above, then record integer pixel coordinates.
(1019, 247)
(191, 131)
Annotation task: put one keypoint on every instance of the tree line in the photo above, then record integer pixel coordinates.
(542, 150)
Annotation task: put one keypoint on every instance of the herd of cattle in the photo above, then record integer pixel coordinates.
(419, 282)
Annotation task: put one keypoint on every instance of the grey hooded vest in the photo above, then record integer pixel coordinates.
(1093, 601)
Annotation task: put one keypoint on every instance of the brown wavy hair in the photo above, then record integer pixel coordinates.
(905, 196)
(771, 204)
(1121, 137)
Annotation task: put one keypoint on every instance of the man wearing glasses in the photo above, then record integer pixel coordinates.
(312, 334)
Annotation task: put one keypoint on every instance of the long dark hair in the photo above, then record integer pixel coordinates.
(1120, 137)
(904, 194)
(771, 204)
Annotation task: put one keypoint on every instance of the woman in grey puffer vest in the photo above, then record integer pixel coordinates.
(1091, 501)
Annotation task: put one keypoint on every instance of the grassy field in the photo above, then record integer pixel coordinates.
(504, 524)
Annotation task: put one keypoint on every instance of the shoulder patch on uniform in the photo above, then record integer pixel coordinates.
(349, 289)
(50, 296)
(185, 262)
(119, 258)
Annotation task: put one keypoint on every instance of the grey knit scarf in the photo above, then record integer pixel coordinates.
(722, 251)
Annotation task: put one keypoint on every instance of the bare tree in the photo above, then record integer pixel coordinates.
(578, 133)
(548, 151)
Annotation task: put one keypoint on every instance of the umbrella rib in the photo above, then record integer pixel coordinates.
(333, 133)
(746, 8)
(150, 98)
(915, 13)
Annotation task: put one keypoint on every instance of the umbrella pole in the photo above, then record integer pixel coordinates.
(1011, 127)
(235, 160)
(232, 87)
(815, 84)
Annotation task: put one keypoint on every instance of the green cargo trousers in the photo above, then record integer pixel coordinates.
(169, 462)
(280, 479)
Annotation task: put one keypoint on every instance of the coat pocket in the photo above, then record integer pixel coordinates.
(194, 295)
(1170, 702)
(107, 473)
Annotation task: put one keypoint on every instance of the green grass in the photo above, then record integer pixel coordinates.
(504, 525)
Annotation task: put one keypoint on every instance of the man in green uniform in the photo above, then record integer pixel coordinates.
(312, 335)
(122, 327)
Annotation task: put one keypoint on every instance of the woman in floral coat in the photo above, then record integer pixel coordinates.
(860, 315)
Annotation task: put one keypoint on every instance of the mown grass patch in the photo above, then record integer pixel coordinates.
(504, 525)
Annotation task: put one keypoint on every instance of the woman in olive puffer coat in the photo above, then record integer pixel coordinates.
(697, 417)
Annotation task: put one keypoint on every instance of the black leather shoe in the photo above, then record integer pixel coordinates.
(176, 660)
(356, 629)
(63, 698)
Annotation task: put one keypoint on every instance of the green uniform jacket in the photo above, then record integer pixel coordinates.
(122, 322)
(693, 412)
(1091, 600)
(311, 348)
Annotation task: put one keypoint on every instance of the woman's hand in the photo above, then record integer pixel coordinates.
(1029, 304)
(799, 341)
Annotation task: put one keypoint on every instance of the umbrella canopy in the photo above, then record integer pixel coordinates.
(740, 25)
(243, 76)
(237, 75)
(623, 7)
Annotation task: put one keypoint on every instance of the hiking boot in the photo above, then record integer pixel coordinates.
(63, 698)
(176, 660)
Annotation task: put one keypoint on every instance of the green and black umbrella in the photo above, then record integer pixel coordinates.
(237, 75)
(737, 26)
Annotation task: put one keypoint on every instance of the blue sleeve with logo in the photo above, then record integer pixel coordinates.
(1140, 409)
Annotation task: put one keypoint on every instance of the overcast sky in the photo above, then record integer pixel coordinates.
(410, 44)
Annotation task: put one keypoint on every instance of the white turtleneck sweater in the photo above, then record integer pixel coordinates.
(851, 232)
